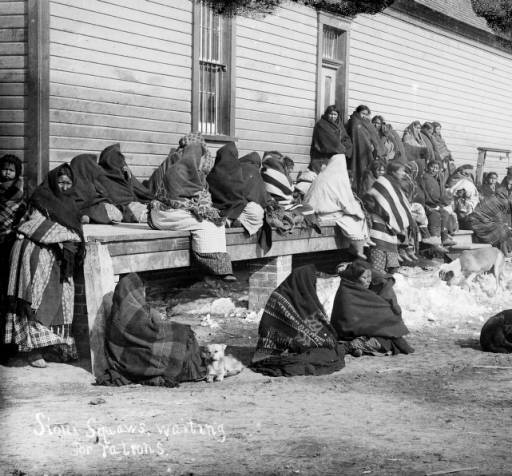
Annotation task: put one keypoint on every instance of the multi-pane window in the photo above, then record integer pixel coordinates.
(213, 62)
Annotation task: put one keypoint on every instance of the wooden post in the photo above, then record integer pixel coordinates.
(99, 285)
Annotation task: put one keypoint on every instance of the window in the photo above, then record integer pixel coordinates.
(333, 39)
(213, 81)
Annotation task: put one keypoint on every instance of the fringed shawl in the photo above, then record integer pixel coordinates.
(143, 348)
(226, 182)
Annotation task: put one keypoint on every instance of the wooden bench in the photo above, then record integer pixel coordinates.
(113, 250)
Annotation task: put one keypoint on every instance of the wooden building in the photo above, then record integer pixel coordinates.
(78, 75)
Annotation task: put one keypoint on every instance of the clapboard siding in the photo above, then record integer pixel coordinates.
(276, 82)
(406, 71)
(13, 74)
(120, 71)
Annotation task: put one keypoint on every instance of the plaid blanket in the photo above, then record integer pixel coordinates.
(12, 207)
(143, 348)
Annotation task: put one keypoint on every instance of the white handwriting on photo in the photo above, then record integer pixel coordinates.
(104, 439)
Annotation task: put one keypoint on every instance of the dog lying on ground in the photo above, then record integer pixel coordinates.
(220, 365)
(471, 263)
(496, 334)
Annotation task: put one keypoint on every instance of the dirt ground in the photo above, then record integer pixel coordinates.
(446, 409)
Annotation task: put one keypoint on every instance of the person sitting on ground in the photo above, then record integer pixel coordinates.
(366, 314)
(366, 143)
(332, 199)
(388, 193)
(496, 333)
(230, 194)
(50, 245)
(414, 146)
(183, 203)
(435, 202)
(490, 185)
(142, 348)
(294, 335)
(329, 138)
(90, 194)
(125, 191)
(12, 209)
(376, 169)
(490, 221)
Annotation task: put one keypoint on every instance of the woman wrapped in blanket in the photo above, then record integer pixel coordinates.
(331, 197)
(387, 192)
(125, 191)
(490, 221)
(41, 289)
(90, 194)
(366, 314)
(415, 147)
(229, 192)
(143, 348)
(183, 203)
(295, 337)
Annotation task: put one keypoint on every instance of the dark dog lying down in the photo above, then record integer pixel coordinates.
(496, 334)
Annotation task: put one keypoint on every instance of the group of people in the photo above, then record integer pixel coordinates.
(386, 195)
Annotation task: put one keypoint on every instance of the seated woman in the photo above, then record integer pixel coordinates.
(366, 314)
(125, 191)
(366, 143)
(506, 183)
(414, 146)
(376, 169)
(277, 179)
(442, 149)
(229, 192)
(386, 138)
(490, 185)
(387, 191)
(295, 337)
(427, 131)
(329, 138)
(183, 203)
(90, 194)
(41, 289)
(490, 221)
(331, 197)
(142, 348)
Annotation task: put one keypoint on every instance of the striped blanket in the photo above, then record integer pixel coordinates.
(277, 182)
(394, 202)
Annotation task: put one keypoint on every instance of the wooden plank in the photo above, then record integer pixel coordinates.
(18, 62)
(12, 129)
(13, 48)
(12, 143)
(128, 147)
(13, 75)
(129, 232)
(151, 261)
(12, 102)
(103, 95)
(12, 34)
(10, 115)
(13, 8)
(12, 89)
(153, 246)
(180, 10)
(12, 21)
(114, 109)
(99, 288)
(276, 117)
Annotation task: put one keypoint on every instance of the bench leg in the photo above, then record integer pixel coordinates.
(265, 275)
(99, 285)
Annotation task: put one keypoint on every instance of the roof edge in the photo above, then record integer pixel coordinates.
(422, 12)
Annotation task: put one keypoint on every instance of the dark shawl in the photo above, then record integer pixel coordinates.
(496, 333)
(329, 139)
(372, 312)
(143, 348)
(433, 193)
(226, 182)
(400, 155)
(294, 335)
(415, 148)
(122, 189)
(440, 145)
(432, 153)
(255, 190)
(366, 146)
(60, 208)
(89, 193)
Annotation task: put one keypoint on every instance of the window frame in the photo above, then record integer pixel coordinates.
(229, 39)
(341, 87)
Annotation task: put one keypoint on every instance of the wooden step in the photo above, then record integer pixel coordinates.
(463, 237)
(469, 246)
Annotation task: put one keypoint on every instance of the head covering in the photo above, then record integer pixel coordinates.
(122, 186)
(254, 185)
(226, 182)
(276, 178)
(55, 204)
(12, 203)
(143, 348)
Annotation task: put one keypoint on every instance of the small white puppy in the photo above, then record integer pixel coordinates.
(471, 263)
(220, 365)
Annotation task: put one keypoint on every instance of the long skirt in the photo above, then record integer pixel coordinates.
(208, 239)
